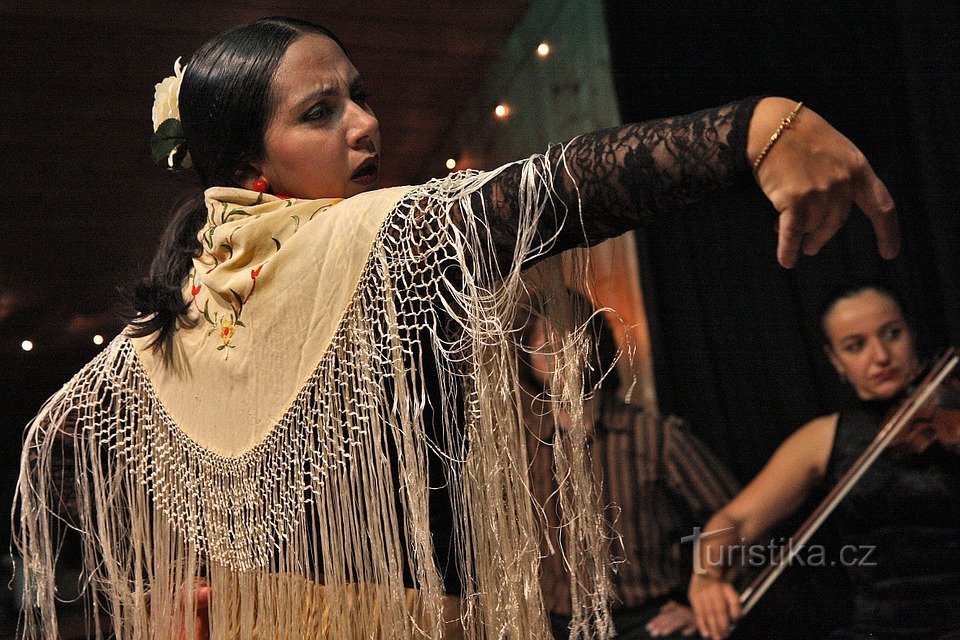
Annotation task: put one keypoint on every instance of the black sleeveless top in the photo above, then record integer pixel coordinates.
(901, 529)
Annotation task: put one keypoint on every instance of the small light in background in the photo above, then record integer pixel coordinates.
(543, 50)
(502, 111)
(98, 339)
(451, 164)
(26, 345)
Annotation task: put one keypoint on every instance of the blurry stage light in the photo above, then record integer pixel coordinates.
(451, 163)
(98, 339)
(543, 50)
(502, 111)
(26, 345)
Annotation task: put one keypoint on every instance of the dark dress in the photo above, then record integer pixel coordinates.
(901, 529)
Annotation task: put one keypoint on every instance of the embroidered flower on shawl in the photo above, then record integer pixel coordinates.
(227, 328)
(240, 238)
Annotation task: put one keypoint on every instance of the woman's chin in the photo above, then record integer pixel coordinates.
(882, 391)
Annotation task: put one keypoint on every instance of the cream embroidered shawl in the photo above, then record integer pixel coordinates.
(285, 447)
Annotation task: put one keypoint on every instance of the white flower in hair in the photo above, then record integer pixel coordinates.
(166, 97)
(167, 130)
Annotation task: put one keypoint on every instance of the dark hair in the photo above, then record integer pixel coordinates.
(225, 105)
(848, 291)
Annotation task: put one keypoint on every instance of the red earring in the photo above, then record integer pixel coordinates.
(260, 185)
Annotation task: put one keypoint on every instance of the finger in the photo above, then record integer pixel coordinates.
(715, 619)
(790, 230)
(873, 198)
(700, 619)
(723, 628)
(837, 207)
(733, 604)
(723, 614)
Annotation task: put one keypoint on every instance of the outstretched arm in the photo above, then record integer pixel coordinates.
(611, 180)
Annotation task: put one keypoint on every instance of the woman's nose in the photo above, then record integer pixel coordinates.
(363, 127)
(881, 352)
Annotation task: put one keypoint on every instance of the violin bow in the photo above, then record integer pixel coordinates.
(938, 373)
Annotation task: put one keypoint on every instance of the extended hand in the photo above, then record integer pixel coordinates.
(813, 175)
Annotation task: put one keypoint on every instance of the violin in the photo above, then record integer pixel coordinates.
(931, 413)
(938, 420)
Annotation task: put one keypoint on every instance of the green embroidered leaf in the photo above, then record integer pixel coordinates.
(239, 324)
(239, 308)
(276, 242)
(206, 312)
(296, 220)
(167, 137)
(239, 213)
(224, 245)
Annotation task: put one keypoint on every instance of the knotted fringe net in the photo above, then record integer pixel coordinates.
(310, 533)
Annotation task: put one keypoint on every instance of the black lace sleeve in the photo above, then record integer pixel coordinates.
(620, 176)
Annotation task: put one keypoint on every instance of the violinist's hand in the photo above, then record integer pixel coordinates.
(716, 606)
(813, 175)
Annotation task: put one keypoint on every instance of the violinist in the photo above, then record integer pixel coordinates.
(902, 518)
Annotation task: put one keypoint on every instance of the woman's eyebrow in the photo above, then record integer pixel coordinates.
(313, 96)
(326, 91)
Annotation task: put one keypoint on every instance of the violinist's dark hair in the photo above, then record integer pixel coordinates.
(225, 105)
(851, 290)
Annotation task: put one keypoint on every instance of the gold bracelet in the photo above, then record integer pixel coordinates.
(776, 136)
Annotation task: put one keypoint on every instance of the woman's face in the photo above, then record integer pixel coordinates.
(871, 345)
(322, 140)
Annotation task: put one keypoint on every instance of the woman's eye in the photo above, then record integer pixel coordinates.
(894, 332)
(853, 347)
(317, 112)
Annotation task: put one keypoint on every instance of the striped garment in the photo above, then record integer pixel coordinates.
(658, 480)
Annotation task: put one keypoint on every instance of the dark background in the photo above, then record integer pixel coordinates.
(736, 346)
